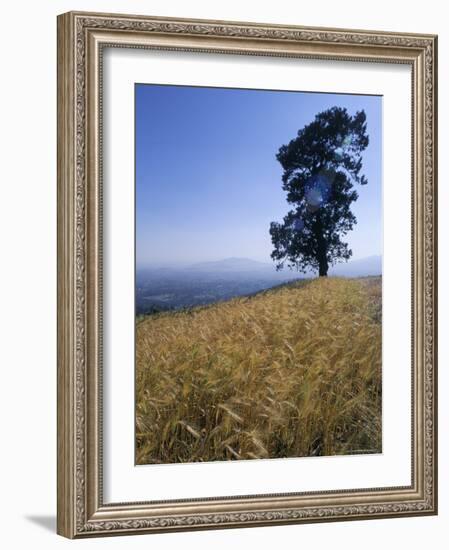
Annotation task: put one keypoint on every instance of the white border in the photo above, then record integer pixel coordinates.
(124, 482)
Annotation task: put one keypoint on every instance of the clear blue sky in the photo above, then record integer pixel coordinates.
(207, 180)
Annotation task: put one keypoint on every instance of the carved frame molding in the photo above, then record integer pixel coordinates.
(81, 39)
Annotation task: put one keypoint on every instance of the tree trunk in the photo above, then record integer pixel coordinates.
(322, 257)
(323, 267)
(322, 248)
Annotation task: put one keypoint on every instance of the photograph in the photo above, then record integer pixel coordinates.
(258, 274)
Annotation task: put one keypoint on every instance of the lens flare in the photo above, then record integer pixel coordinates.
(338, 153)
(347, 142)
(319, 190)
(298, 224)
(314, 199)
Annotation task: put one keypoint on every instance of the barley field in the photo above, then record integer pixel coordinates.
(293, 371)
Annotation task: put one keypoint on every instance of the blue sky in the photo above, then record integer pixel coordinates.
(207, 180)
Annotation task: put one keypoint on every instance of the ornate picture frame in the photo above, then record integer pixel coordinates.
(82, 40)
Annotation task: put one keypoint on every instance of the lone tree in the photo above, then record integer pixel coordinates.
(321, 166)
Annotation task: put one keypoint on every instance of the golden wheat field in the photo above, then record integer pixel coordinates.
(293, 371)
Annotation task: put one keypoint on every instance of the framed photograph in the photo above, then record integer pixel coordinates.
(246, 274)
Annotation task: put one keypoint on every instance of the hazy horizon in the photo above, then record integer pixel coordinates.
(176, 263)
(207, 180)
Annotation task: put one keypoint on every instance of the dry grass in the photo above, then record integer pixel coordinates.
(294, 371)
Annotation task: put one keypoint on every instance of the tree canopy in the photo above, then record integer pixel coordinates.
(321, 167)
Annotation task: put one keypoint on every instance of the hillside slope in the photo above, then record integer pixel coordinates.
(294, 371)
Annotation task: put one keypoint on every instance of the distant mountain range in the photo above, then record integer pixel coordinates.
(231, 264)
(371, 265)
(164, 288)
